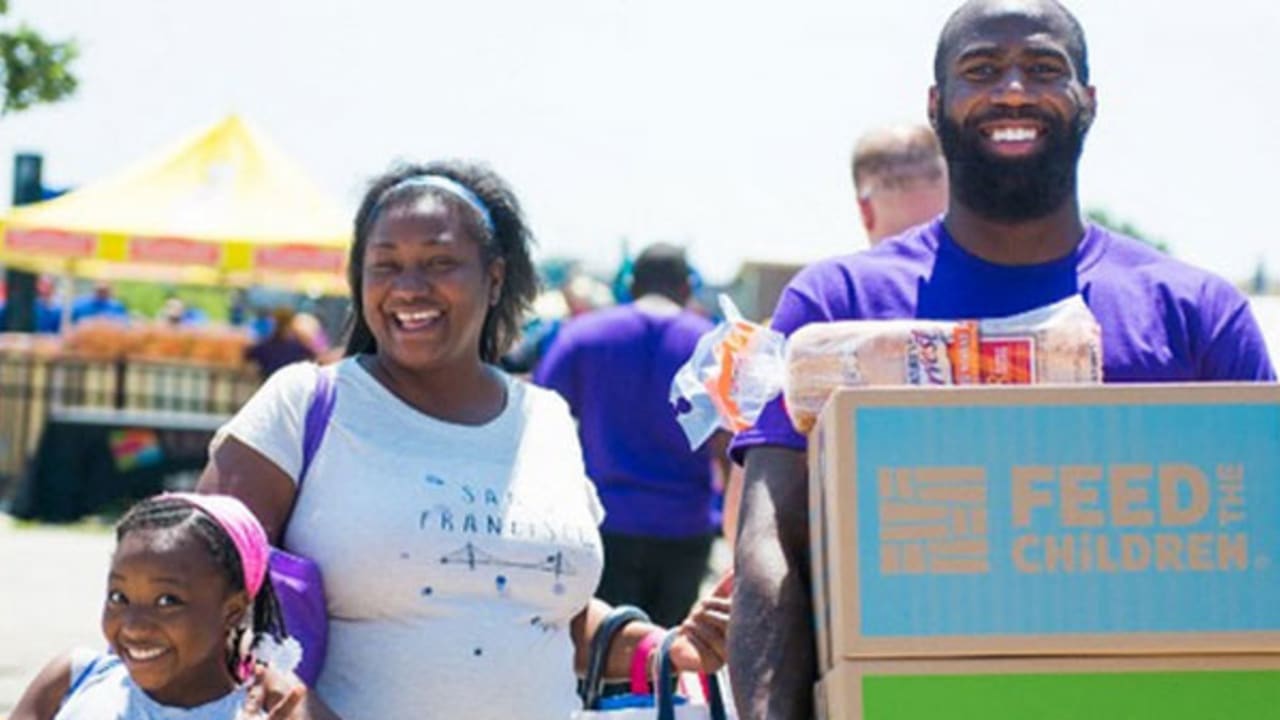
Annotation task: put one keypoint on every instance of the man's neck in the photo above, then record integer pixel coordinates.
(658, 304)
(1028, 242)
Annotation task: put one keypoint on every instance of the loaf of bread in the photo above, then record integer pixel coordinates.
(1060, 343)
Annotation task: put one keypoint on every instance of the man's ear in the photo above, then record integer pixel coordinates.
(1090, 105)
(935, 103)
(868, 214)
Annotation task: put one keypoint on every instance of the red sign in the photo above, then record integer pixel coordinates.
(173, 251)
(51, 242)
(299, 258)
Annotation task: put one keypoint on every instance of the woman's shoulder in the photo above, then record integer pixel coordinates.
(294, 375)
(295, 383)
(536, 399)
(289, 384)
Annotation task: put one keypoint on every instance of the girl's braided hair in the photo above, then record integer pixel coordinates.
(178, 516)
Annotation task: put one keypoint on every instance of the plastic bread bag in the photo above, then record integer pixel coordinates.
(736, 369)
(1057, 343)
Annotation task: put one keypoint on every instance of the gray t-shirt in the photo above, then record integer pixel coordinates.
(453, 556)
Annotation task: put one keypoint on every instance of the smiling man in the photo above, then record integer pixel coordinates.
(1012, 104)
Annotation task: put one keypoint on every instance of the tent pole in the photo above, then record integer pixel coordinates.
(68, 300)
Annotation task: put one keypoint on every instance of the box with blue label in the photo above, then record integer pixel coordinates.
(1122, 520)
(1153, 688)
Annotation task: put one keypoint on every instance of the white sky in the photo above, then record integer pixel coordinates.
(722, 124)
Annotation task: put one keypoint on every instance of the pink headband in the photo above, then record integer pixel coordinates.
(244, 529)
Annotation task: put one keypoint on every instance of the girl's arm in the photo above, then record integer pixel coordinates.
(44, 695)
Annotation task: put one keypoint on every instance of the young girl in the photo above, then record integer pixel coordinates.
(189, 609)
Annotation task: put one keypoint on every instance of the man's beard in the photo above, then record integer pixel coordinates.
(1013, 189)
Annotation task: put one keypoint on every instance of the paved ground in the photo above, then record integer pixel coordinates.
(51, 585)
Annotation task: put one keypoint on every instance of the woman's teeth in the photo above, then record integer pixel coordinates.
(416, 320)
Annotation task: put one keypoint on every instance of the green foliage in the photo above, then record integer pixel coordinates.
(33, 70)
(1107, 220)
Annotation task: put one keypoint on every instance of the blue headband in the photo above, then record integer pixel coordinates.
(450, 186)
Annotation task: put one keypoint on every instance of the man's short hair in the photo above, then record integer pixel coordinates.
(1056, 14)
(895, 158)
(661, 267)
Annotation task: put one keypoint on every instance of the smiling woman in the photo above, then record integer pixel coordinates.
(447, 507)
(440, 276)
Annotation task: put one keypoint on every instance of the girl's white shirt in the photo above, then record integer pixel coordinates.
(101, 689)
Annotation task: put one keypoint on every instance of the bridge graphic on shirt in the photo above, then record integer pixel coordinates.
(473, 557)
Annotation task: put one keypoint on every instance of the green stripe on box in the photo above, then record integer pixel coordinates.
(1191, 695)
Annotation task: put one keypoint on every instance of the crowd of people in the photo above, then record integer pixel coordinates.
(473, 528)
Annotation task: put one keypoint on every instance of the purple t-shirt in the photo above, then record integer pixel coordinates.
(614, 367)
(1162, 320)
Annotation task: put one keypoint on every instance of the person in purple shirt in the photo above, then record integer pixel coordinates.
(614, 367)
(280, 348)
(1012, 105)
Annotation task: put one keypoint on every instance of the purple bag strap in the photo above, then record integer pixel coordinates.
(319, 411)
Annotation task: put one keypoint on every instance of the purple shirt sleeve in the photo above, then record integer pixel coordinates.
(1234, 347)
(804, 301)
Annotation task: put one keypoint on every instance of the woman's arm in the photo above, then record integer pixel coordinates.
(282, 696)
(44, 695)
(239, 470)
(700, 645)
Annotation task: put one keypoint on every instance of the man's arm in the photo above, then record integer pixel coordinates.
(771, 644)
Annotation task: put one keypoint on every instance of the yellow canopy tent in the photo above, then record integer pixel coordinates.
(224, 207)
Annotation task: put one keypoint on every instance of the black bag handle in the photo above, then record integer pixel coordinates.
(666, 688)
(598, 658)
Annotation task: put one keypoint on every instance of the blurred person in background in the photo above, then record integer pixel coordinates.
(309, 331)
(177, 313)
(577, 295)
(279, 348)
(614, 367)
(48, 306)
(100, 303)
(900, 177)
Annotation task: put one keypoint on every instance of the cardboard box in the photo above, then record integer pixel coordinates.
(1187, 688)
(1064, 521)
